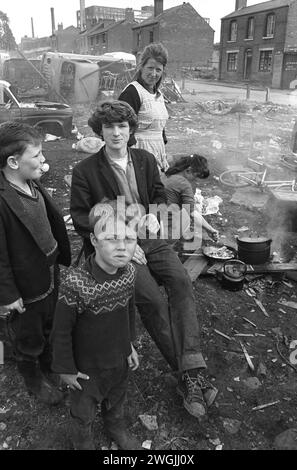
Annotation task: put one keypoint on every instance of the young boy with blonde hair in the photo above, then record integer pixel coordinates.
(94, 329)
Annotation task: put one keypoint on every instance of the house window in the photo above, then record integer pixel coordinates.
(265, 64)
(92, 41)
(97, 39)
(232, 61)
(151, 36)
(233, 31)
(250, 29)
(270, 26)
(104, 38)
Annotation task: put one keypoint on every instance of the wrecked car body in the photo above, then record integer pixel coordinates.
(53, 118)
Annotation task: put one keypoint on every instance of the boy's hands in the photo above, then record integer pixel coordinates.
(133, 360)
(71, 380)
(17, 305)
(139, 256)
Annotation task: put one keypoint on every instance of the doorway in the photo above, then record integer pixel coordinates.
(248, 56)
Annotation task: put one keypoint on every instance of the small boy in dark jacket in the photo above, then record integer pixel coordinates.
(94, 329)
(33, 241)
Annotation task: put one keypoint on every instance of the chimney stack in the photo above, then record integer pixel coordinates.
(129, 14)
(158, 7)
(53, 21)
(82, 14)
(240, 4)
(32, 28)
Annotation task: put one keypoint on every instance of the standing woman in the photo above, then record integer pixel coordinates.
(144, 96)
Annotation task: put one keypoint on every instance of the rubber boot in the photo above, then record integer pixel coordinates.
(81, 436)
(116, 428)
(37, 384)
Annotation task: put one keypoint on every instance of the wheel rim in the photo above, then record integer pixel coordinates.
(232, 178)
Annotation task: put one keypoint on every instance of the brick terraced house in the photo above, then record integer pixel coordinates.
(259, 44)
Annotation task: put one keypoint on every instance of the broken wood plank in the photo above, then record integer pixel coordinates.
(271, 268)
(196, 264)
(261, 306)
(222, 334)
(261, 268)
(247, 356)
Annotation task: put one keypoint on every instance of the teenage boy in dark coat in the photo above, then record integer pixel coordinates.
(116, 171)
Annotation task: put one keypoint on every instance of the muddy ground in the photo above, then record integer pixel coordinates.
(213, 130)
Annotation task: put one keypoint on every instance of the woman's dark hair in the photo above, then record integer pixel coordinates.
(153, 51)
(195, 162)
(109, 112)
(15, 138)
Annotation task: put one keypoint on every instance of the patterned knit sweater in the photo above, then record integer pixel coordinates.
(94, 319)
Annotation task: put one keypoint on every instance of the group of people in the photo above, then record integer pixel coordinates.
(82, 329)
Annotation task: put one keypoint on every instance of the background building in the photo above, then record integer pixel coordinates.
(96, 14)
(259, 44)
(187, 36)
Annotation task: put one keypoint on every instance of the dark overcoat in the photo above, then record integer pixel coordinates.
(93, 180)
(24, 271)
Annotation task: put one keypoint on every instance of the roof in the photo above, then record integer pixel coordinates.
(259, 7)
(158, 18)
(93, 32)
(98, 26)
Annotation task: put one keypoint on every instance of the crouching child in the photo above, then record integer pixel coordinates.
(33, 242)
(94, 329)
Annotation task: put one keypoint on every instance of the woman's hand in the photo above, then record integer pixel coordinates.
(139, 256)
(215, 235)
(71, 380)
(133, 360)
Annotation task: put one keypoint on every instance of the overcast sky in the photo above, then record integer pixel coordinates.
(20, 12)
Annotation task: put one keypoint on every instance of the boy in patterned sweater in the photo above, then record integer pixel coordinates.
(94, 329)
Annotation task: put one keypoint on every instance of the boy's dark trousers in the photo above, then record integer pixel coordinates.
(29, 333)
(108, 387)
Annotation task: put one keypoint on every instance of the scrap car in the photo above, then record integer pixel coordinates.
(51, 117)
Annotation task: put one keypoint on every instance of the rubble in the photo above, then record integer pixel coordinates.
(149, 422)
(232, 426)
(287, 440)
(253, 383)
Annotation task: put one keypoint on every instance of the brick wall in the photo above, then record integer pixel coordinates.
(121, 38)
(291, 33)
(188, 38)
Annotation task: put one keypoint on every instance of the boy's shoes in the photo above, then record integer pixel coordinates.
(196, 392)
(38, 385)
(123, 438)
(81, 436)
(115, 427)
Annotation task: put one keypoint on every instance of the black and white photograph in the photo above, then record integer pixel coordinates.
(148, 229)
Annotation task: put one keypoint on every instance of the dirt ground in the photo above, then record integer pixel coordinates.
(212, 129)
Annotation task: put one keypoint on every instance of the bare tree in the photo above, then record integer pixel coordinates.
(7, 40)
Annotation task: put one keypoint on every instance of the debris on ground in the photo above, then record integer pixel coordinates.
(288, 303)
(147, 445)
(88, 145)
(150, 422)
(51, 138)
(267, 405)
(287, 440)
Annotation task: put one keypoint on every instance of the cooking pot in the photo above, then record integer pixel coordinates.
(233, 275)
(254, 250)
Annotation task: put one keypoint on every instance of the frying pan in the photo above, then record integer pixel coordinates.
(207, 249)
